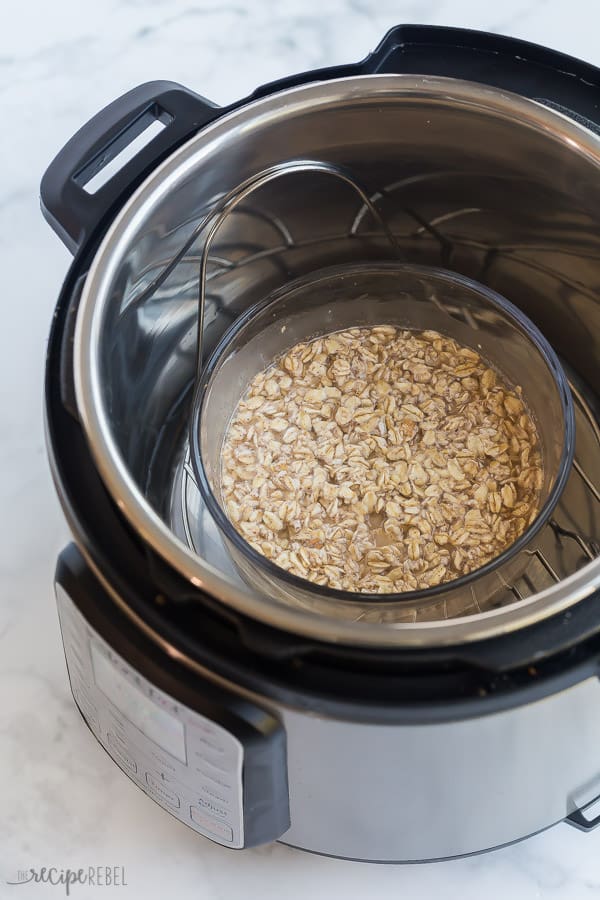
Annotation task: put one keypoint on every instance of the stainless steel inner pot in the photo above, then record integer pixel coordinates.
(468, 178)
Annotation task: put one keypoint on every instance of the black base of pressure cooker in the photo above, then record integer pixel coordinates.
(189, 644)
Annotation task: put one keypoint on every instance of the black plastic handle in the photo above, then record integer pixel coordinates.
(74, 212)
(579, 820)
(559, 81)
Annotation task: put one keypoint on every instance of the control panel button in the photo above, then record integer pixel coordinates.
(120, 754)
(219, 766)
(215, 808)
(212, 794)
(158, 787)
(211, 745)
(211, 826)
(217, 779)
(162, 761)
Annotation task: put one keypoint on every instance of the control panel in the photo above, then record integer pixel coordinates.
(190, 765)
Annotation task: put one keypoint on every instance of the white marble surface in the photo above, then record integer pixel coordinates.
(61, 801)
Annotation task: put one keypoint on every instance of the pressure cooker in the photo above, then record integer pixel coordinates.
(247, 712)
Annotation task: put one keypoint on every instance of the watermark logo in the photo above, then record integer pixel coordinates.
(93, 876)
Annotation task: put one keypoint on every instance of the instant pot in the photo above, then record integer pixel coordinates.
(446, 728)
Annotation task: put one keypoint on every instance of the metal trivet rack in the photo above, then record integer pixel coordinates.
(563, 547)
(569, 540)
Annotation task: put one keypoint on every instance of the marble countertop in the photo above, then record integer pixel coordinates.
(62, 802)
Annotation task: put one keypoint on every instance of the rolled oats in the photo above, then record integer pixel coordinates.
(381, 460)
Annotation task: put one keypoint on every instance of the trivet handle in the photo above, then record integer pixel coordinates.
(228, 203)
(68, 201)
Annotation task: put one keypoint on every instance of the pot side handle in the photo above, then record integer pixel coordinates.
(158, 115)
(587, 818)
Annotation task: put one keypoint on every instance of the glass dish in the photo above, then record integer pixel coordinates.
(410, 297)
